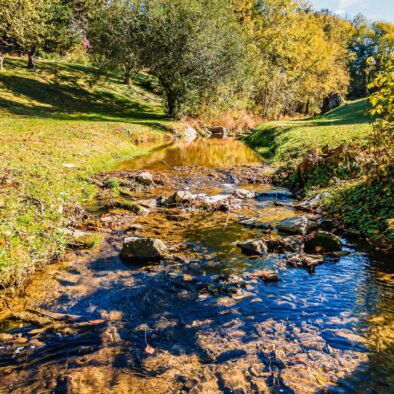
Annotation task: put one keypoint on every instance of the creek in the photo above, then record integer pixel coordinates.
(199, 321)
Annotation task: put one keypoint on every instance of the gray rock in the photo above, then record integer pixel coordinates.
(145, 178)
(285, 245)
(142, 249)
(182, 196)
(304, 260)
(314, 202)
(323, 242)
(190, 134)
(244, 194)
(296, 225)
(253, 246)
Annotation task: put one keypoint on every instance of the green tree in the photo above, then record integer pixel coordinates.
(194, 48)
(114, 34)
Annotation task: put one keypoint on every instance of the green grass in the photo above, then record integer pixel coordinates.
(283, 141)
(59, 126)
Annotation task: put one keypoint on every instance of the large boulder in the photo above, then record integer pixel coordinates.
(144, 249)
(252, 246)
(296, 225)
(323, 242)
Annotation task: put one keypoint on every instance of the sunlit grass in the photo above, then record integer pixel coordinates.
(289, 140)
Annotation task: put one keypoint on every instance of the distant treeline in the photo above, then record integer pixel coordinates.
(272, 57)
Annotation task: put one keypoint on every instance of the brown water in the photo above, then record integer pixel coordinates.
(218, 153)
(187, 325)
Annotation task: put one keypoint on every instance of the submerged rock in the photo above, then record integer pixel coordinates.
(323, 242)
(145, 178)
(142, 249)
(253, 246)
(296, 225)
(234, 381)
(254, 223)
(275, 195)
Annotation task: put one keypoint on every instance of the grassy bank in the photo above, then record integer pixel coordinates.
(284, 141)
(58, 126)
(329, 153)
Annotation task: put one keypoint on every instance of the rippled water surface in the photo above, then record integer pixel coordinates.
(179, 326)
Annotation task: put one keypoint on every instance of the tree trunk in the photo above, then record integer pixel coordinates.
(307, 106)
(31, 58)
(127, 75)
(171, 104)
(1, 60)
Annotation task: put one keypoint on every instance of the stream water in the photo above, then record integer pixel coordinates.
(198, 322)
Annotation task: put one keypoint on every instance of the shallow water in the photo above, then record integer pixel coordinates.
(218, 153)
(175, 327)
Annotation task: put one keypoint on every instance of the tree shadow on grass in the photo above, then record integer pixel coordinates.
(58, 100)
(266, 140)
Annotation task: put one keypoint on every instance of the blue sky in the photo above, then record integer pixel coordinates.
(372, 9)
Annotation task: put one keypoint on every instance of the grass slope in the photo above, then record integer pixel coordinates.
(283, 141)
(58, 126)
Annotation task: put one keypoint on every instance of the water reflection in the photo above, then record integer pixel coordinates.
(216, 153)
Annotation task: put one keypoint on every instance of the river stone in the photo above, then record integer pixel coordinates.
(218, 131)
(244, 194)
(304, 260)
(266, 275)
(254, 223)
(289, 244)
(323, 242)
(296, 225)
(252, 246)
(182, 196)
(142, 249)
(145, 178)
(314, 203)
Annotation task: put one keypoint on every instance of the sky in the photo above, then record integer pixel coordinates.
(382, 10)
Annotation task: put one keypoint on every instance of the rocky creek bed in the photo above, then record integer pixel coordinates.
(208, 279)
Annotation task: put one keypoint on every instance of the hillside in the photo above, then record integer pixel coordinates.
(287, 140)
(59, 125)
